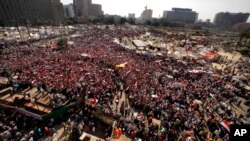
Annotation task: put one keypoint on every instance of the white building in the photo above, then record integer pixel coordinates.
(147, 14)
(131, 15)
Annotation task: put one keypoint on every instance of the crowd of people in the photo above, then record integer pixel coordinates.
(161, 87)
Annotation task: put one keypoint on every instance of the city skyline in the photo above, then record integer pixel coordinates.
(206, 8)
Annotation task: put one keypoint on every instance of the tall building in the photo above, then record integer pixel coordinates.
(85, 8)
(96, 10)
(57, 10)
(131, 15)
(18, 10)
(82, 7)
(182, 15)
(228, 20)
(69, 10)
(147, 14)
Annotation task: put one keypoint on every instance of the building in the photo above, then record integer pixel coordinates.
(181, 15)
(228, 20)
(57, 11)
(19, 10)
(131, 16)
(96, 10)
(82, 7)
(85, 8)
(242, 26)
(147, 14)
(69, 10)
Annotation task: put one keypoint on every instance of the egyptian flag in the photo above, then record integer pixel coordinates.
(94, 101)
(226, 125)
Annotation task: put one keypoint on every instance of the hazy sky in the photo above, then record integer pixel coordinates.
(206, 8)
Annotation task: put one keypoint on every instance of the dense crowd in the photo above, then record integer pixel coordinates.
(162, 87)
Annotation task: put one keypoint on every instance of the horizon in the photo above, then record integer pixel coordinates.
(202, 7)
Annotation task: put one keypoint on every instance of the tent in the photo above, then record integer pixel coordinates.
(59, 112)
(139, 43)
(210, 55)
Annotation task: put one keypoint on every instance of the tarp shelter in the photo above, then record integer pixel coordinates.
(23, 111)
(59, 112)
(209, 55)
(139, 43)
(4, 80)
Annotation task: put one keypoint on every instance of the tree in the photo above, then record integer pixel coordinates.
(123, 21)
(69, 22)
(244, 34)
(2, 24)
(131, 21)
(45, 23)
(164, 22)
(109, 20)
(25, 23)
(148, 22)
(37, 23)
(155, 22)
(15, 23)
(61, 42)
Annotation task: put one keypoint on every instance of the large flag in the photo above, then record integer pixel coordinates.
(123, 65)
(226, 125)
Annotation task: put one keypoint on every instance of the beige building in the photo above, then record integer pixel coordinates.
(18, 10)
(181, 15)
(131, 15)
(85, 8)
(82, 7)
(96, 10)
(147, 14)
(57, 10)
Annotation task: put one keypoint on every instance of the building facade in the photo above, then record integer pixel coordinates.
(96, 10)
(57, 11)
(82, 7)
(69, 10)
(181, 15)
(131, 15)
(85, 8)
(228, 20)
(147, 14)
(12, 11)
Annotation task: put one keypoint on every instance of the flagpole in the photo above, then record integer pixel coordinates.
(112, 130)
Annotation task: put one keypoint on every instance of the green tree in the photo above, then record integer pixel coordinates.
(155, 22)
(148, 22)
(2, 24)
(131, 21)
(244, 34)
(45, 24)
(25, 23)
(61, 42)
(15, 23)
(37, 23)
(123, 21)
(109, 20)
(164, 22)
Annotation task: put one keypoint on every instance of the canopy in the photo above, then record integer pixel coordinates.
(139, 43)
(209, 55)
